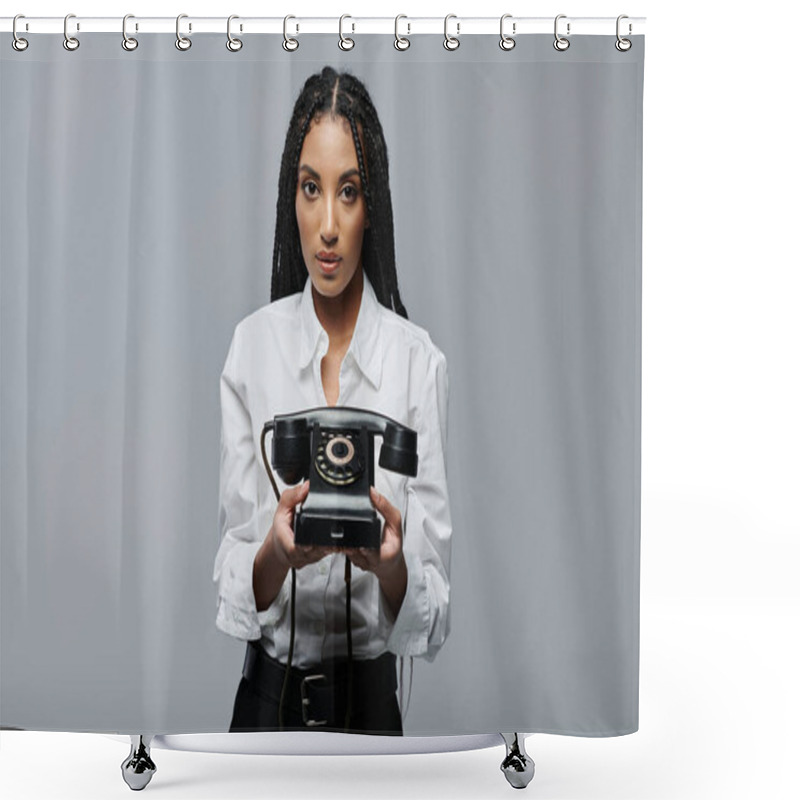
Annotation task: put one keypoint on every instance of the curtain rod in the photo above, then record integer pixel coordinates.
(408, 26)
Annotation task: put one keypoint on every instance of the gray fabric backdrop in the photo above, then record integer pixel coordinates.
(137, 216)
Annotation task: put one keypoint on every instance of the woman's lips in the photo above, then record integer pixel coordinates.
(328, 265)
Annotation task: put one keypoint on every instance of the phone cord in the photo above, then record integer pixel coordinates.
(347, 571)
(349, 649)
(294, 590)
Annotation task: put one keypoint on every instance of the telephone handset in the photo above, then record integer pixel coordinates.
(339, 442)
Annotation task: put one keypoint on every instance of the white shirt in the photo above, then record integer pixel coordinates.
(391, 367)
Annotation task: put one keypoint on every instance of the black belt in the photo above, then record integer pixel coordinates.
(319, 694)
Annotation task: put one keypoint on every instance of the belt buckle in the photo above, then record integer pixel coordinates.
(306, 701)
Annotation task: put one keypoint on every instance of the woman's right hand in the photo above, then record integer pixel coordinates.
(288, 554)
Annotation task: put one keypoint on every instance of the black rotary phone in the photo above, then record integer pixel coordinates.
(333, 446)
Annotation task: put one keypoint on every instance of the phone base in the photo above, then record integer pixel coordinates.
(329, 532)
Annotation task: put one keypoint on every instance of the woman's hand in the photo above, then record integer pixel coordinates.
(288, 554)
(387, 562)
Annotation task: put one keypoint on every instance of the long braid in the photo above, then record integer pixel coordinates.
(376, 146)
(386, 254)
(288, 272)
(374, 271)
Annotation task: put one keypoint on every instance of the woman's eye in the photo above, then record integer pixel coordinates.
(310, 189)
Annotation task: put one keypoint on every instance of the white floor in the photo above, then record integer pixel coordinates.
(719, 710)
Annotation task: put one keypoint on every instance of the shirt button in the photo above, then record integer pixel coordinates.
(323, 567)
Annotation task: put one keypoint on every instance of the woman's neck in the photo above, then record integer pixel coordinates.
(338, 315)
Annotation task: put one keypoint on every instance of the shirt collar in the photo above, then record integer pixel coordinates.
(365, 343)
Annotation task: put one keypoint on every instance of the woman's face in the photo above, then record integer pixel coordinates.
(330, 206)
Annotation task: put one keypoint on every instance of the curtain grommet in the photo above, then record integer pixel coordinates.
(129, 43)
(400, 42)
(345, 43)
(561, 43)
(289, 44)
(70, 43)
(507, 42)
(17, 42)
(183, 43)
(233, 44)
(622, 44)
(451, 42)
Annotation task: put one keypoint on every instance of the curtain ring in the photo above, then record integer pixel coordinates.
(451, 42)
(70, 42)
(181, 42)
(18, 43)
(561, 43)
(233, 44)
(400, 42)
(345, 43)
(289, 44)
(128, 42)
(623, 45)
(507, 42)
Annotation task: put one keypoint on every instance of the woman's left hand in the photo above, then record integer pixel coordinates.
(389, 558)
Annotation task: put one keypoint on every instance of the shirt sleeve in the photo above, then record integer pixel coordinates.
(423, 621)
(243, 521)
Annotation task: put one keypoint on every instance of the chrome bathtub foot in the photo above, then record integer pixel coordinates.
(138, 767)
(517, 766)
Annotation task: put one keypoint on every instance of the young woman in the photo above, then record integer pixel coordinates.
(334, 334)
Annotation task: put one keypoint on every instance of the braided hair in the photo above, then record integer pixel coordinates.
(345, 96)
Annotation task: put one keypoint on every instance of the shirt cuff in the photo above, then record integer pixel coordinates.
(236, 612)
(274, 613)
(408, 634)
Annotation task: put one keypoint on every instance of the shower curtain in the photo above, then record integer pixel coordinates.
(138, 224)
